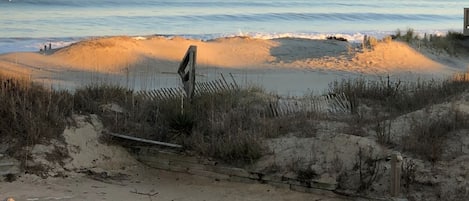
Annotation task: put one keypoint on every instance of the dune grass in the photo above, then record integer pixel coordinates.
(399, 97)
(451, 43)
(427, 137)
(227, 125)
(31, 114)
(390, 98)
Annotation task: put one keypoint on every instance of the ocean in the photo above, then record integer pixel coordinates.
(26, 25)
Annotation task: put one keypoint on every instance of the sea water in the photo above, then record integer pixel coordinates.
(27, 25)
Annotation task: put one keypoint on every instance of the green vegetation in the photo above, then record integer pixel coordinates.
(31, 114)
(399, 97)
(228, 125)
(428, 137)
(392, 98)
(450, 43)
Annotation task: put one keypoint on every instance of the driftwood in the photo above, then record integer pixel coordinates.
(149, 194)
(143, 140)
(140, 193)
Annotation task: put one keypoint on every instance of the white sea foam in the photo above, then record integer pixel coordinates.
(139, 38)
(34, 44)
(351, 37)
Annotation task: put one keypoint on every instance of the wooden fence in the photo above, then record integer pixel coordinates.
(279, 106)
(214, 86)
(333, 103)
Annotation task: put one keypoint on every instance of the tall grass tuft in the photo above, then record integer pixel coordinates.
(30, 113)
(428, 137)
(397, 96)
(450, 43)
(227, 125)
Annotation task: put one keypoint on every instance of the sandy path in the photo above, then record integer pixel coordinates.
(168, 185)
(97, 171)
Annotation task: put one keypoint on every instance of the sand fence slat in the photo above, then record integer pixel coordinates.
(234, 82)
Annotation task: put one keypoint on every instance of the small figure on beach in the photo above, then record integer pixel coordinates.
(45, 48)
(50, 46)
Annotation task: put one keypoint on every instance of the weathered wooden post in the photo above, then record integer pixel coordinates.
(396, 161)
(188, 78)
(365, 42)
(466, 22)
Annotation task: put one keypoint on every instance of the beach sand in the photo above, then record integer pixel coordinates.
(101, 171)
(146, 184)
(288, 66)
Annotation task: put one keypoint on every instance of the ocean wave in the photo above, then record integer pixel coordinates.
(33, 44)
(351, 36)
(235, 4)
(62, 18)
(307, 16)
(143, 3)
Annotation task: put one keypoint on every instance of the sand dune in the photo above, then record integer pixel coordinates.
(397, 56)
(116, 53)
(119, 55)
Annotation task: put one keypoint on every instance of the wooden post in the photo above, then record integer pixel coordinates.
(396, 161)
(188, 78)
(466, 22)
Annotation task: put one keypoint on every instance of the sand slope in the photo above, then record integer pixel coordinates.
(100, 171)
(268, 63)
(111, 54)
(397, 56)
(116, 53)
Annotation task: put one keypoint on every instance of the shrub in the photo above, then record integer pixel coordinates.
(410, 35)
(408, 169)
(90, 98)
(31, 114)
(369, 42)
(396, 96)
(227, 125)
(234, 147)
(383, 132)
(427, 137)
(450, 43)
(368, 167)
(232, 124)
(373, 42)
(387, 39)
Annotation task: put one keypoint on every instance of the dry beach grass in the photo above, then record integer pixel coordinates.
(422, 118)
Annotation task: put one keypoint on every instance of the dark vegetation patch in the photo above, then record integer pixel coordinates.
(399, 97)
(227, 125)
(453, 43)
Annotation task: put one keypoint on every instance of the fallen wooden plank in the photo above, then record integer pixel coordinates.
(143, 140)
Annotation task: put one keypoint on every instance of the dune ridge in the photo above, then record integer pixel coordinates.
(116, 53)
(121, 54)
